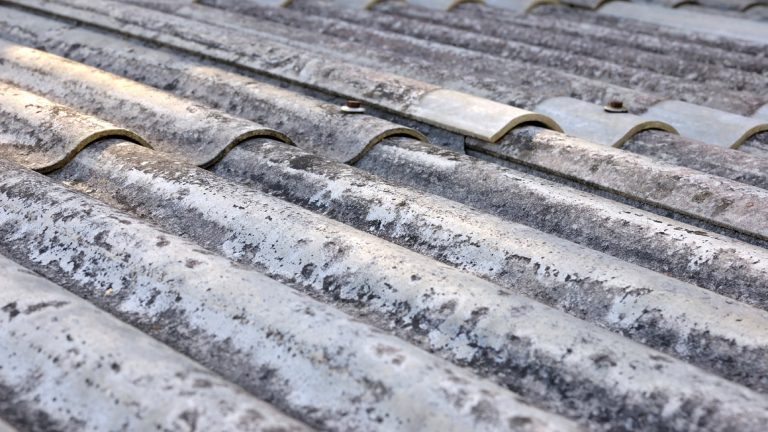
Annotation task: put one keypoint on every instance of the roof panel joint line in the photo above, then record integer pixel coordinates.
(470, 115)
(474, 116)
(446, 5)
(355, 4)
(708, 125)
(64, 131)
(202, 135)
(520, 6)
(593, 123)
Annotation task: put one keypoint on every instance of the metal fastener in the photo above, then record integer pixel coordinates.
(353, 106)
(615, 106)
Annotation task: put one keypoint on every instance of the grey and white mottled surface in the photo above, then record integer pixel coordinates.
(550, 358)
(194, 132)
(319, 366)
(68, 366)
(47, 135)
(707, 259)
(658, 311)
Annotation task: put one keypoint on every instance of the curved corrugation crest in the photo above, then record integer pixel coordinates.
(591, 122)
(313, 124)
(474, 116)
(191, 132)
(708, 125)
(43, 136)
(521, 6)
(441, 4)
(383, 90)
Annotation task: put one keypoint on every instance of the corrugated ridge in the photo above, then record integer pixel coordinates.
(606, 59)
(338, 135)
(200, 135)
(455, 315)
(69, 366)
(711, 199)
(707, 259)
(314, 366)
(589, 285)
(51, 135)
(576, 25)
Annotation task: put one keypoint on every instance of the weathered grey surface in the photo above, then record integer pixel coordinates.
(332, 372)
(689, 21)
(196, 133)
(509, 66)
(5, 427)
(519, 78)
(642, 29)
(669, 3)
(712, 199)
(450, 109)
(584, 55)
(553, 359)
(305, 120)
(734, 165)
(391, 92)
(405, 96)
(739, 5)
(380, 89)
(704, 258)
(439, 4)
(586, 4)
(600, 36)
(761, 113)
(518, 5)
(705, 124)
(592, 123)
(44, 136)
(352, 4)
(515, 256)
(67, 366)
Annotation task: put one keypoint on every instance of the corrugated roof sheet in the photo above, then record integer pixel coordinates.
(344, 215)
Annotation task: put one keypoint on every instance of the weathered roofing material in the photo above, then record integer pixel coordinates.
(200, 135)
(706, 124)
(715, 200)
(319, 366)
(461, 319)
(327, 367)
(688, 20)
(707, 259)
(68, 366)
(307, 120)
(343, 137)
(593, 123)
(394, 93)
(48, 135)
(512, 255)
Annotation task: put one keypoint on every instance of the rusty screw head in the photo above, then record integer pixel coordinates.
(615, 106)
(353, 106)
